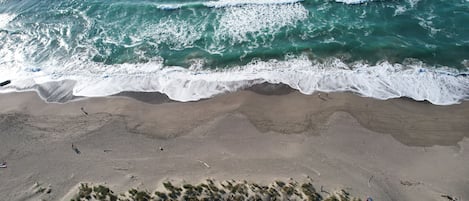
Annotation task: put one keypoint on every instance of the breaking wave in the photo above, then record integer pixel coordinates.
(212, 47)
(223, 3)
(383, 80)
(352, 1)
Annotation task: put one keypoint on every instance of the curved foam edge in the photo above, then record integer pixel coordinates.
(52, 92)
(440, 86)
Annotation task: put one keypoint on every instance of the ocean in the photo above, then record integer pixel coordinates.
(196, 49)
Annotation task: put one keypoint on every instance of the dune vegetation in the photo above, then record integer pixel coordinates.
(212, 190)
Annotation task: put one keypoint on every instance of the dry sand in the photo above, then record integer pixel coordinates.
(391, 150)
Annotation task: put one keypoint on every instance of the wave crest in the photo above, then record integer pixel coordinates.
(223, 3)
(352, 1)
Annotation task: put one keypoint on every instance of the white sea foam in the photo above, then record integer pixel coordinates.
(20, 61)
(50, 43)
(169, 6)
(174, 32)
(352, 1)
(5, 18)
(382, 81)
(413, 3)
(236, 23)
(225, 3)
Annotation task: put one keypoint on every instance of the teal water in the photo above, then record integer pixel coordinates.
(67, 39)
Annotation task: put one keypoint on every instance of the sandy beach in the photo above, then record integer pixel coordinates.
(396, 149)
(234, 100)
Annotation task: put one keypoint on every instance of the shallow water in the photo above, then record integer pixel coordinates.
(196, 49)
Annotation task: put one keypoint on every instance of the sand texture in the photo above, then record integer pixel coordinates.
(391, 150)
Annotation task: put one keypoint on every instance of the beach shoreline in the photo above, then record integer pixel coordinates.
(411, 150)
(357, 98)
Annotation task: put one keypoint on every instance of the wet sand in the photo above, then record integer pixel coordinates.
(391, 150)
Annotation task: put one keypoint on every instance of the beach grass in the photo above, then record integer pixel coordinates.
(212, 190)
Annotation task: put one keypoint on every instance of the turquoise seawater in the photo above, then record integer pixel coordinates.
(94, 40)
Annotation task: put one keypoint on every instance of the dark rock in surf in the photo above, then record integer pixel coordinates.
(5, 83)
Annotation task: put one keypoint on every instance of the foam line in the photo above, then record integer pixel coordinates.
(383, 80)
(225, 3)
(352, 1)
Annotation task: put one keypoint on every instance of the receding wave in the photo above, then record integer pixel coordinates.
(383, 80)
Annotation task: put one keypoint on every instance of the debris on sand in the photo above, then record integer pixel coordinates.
(83, 110)
(409, 183)
(204, 163)
(75, 149)
(450, 198)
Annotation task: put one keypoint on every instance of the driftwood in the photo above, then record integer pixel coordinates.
(206, 165)
(450, 198)
(409, 183)
(324, 191)
(83, 110)
(75, 149)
